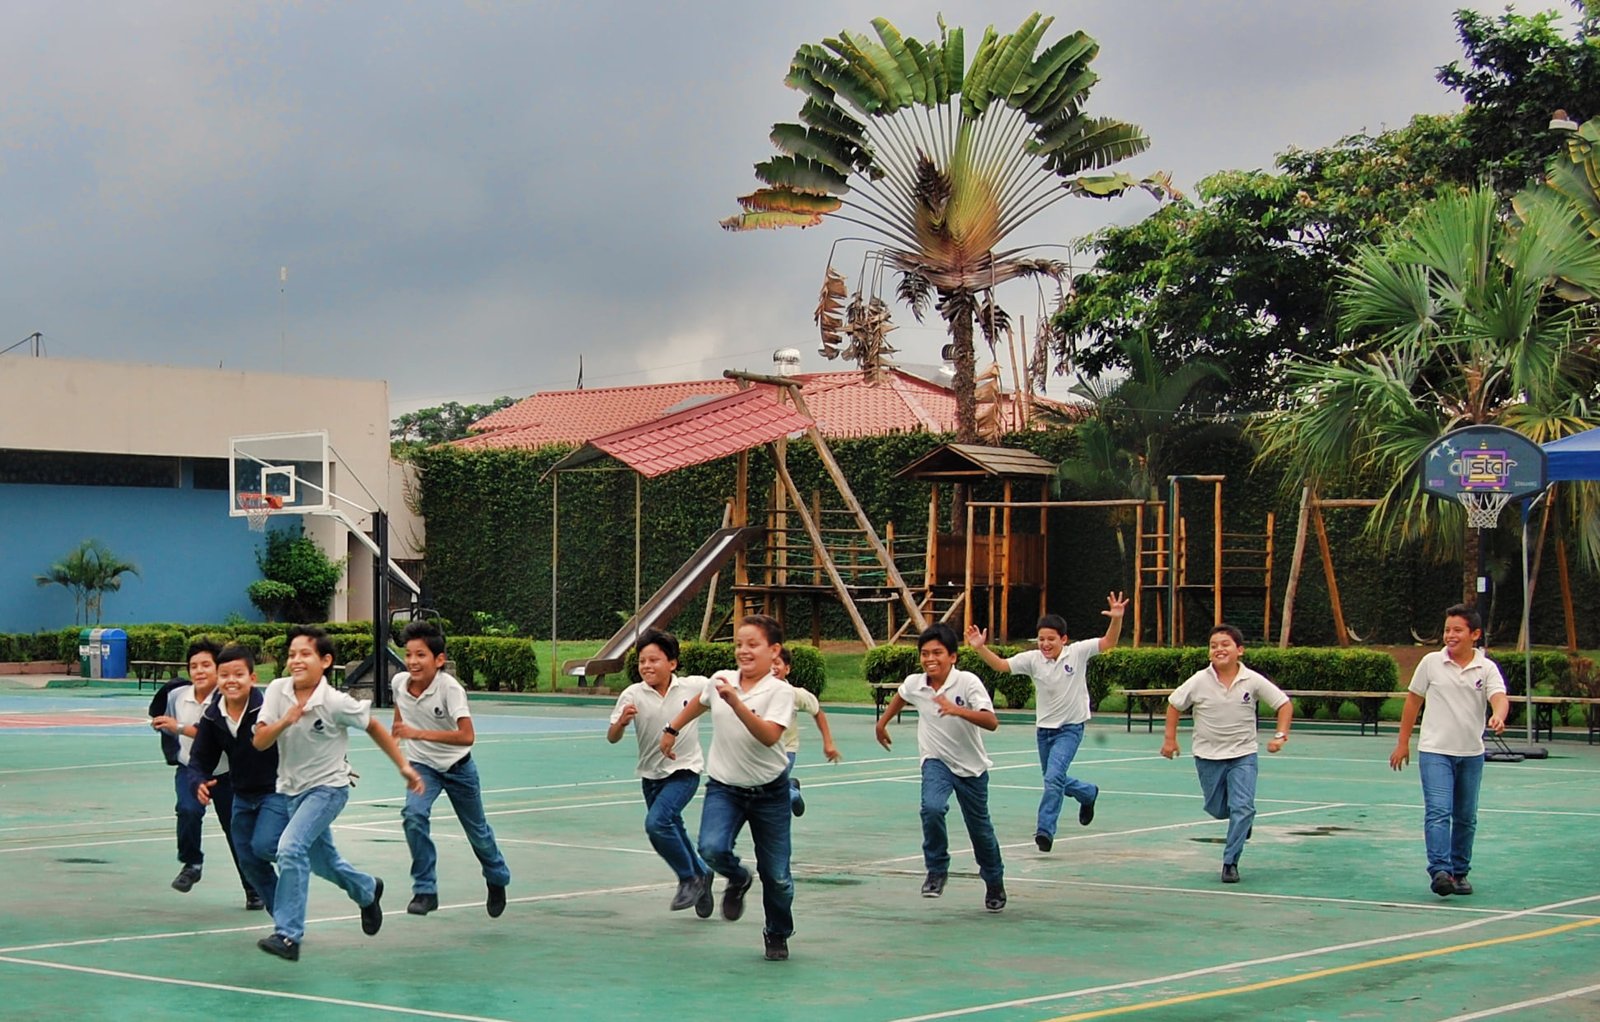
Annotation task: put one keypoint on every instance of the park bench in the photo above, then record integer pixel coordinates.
(1544, 714)
(155, 671)
(1145, 701)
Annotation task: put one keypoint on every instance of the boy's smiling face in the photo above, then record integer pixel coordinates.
(1224, 651)
(1050, 643)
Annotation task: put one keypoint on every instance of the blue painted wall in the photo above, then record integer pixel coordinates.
(194, 561)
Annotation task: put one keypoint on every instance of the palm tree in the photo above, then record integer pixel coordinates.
(1461, 319)
(942, 161)
(89, 572)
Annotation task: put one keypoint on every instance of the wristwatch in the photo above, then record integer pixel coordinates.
(669, 729)
(1281, 736)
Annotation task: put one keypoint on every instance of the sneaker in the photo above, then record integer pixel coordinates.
(422, 904)
(708, 902)
(994, 897)
(1443, 884)
(777, 947)
(372, 913)
(278, 944)
(187, 877)
(1044, 841)
(253, 902)
(1462, 886)
(1086, 809)
(1230, 873)
(798, 804)
(733, 897)
(1250, 832)
(496, 902)
(934, 885)
(689, 892)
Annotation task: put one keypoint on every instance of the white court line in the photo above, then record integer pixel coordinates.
(1250, 963)
(86, 844)
(390, 828)
(86, 823)
(342, 1002)
(87, 766)
(1519, 1005)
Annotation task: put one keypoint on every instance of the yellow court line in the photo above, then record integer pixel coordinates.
(1413, 956)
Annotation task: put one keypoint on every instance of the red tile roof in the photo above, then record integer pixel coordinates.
(842, 403)
(706, 432)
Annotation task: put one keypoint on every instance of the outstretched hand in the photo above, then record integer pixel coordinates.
(977, 638)
(1116, 605)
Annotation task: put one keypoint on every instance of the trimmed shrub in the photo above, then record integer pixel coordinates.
(172, 646)
(809, 671)
(459, 650)
(1304, 668)
(508, 665)
(893, 664)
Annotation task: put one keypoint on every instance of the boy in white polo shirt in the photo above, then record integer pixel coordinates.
(434, 726)
(747, 777)
(308, 720)
(953, 710)
(804, 702)
(1060, 674)
(668, 785)
(1460, 685)
(1224, 698)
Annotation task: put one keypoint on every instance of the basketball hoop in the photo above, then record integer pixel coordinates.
(258, 507)
(1483, 507)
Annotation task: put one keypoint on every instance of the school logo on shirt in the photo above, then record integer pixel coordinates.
(438, 711)
(959, 702)
(1246, 697)
(1478, 684)
(316, 725)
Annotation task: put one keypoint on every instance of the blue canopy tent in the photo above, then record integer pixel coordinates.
(1574, 458)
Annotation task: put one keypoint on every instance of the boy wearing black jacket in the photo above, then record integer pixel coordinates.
(223, 738)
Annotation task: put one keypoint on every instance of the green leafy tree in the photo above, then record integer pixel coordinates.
(89, 572)
(941, 161)
(269, 596)
(1468, 328)
(293, 559)
(442, 423)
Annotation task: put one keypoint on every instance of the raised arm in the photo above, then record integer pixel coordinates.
(978, 639)
(1116, 605)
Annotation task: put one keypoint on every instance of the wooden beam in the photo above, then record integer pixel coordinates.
(1266, 610)
(1138, 574)
(1339, 628)
(1296, 559)
(799, 503)
(1005, 567)
(1216, 553)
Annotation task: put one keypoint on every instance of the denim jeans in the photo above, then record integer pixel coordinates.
(1450, 809)
(794, 782)
(664, 801)
(972, 795)
(258, 822)
(1057, 746)
(306, 847)
(723, 813)
(1230, 789)
(192, 816)
(460, 783)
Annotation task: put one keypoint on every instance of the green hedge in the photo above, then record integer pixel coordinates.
(808, 670)
(496, 663)
(1304, 668)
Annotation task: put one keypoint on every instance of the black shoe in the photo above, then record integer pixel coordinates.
(1044, 841)
(1462, 886)
(187, 877)
(1230, 873)
(253, 902)
(733, 897)
(994, 897)
(422, 904)
(1443, 884)
(372, 914)
(934, 885)
(798, 804)
(777, 947)
(689, 893)
(283, 947)
(707, 902)
(496, 902)
(1250, 832)
(1086, 809)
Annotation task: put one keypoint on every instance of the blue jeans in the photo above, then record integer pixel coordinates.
(1230, 789)
(794, 783)
(723, 813)
(460, 782)
(192, 816)
(972, 794)
(306, 847)
(258, 822)
(1057, 746)
(1450, 809)
(664, 801)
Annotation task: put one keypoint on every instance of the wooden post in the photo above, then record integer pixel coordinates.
(1163, 572)
(711, 586)
(932, 578)
(1523, 637)
(1044, 548)
(1296, 559)
(1339, 628)
(1178, 630)
(1174, 513)
(815, 536)
(1566, 594)
(989, 573)
(888, 543)
(778, 546)
(741, 518)
(966, 586)
(1266, 609)
(1216, 553)
(1138, 574)
(1005, 566)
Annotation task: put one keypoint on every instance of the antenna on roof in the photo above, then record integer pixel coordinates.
(580, 372)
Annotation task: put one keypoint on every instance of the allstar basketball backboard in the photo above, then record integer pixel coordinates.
(278, 474)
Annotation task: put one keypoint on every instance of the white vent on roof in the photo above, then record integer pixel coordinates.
(786, 361)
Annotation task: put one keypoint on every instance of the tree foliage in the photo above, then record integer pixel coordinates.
(442, 423)
(88, 572)
(292, 559)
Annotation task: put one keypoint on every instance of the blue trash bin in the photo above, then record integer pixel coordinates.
(113, 653)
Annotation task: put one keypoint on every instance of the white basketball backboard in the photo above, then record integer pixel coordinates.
(282, 473)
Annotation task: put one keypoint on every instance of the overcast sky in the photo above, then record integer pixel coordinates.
(469, 195)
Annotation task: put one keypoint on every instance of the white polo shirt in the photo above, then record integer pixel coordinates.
(956, 743)
(438, 708)
(1457, 702)
(311, 751)
(1060, 686)
(183, 707)
(804, 702)
(654, 712)
(1225, 715)
(737, 757)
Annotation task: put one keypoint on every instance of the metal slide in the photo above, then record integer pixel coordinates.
(660, 609)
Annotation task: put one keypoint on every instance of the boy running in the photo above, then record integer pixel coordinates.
(804, 702)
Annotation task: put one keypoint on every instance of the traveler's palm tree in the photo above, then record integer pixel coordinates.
(942, 161)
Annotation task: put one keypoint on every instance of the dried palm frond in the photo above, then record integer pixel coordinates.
(827, 316)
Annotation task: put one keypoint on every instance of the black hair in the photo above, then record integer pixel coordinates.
(769, 626)
(942, 632)
(1054, 622)
(783, 654)
(666, 642)
(426, 631)
(1230, 631)
(233, 651)
(1468, 614)
(319, 639)
(203, 646)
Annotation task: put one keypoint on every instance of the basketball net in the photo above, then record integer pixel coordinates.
(258, 507)
(1483, 507)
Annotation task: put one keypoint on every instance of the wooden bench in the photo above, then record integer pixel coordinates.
(882, 692)
(1145, 700)
(1544, 714)
(155, 671)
